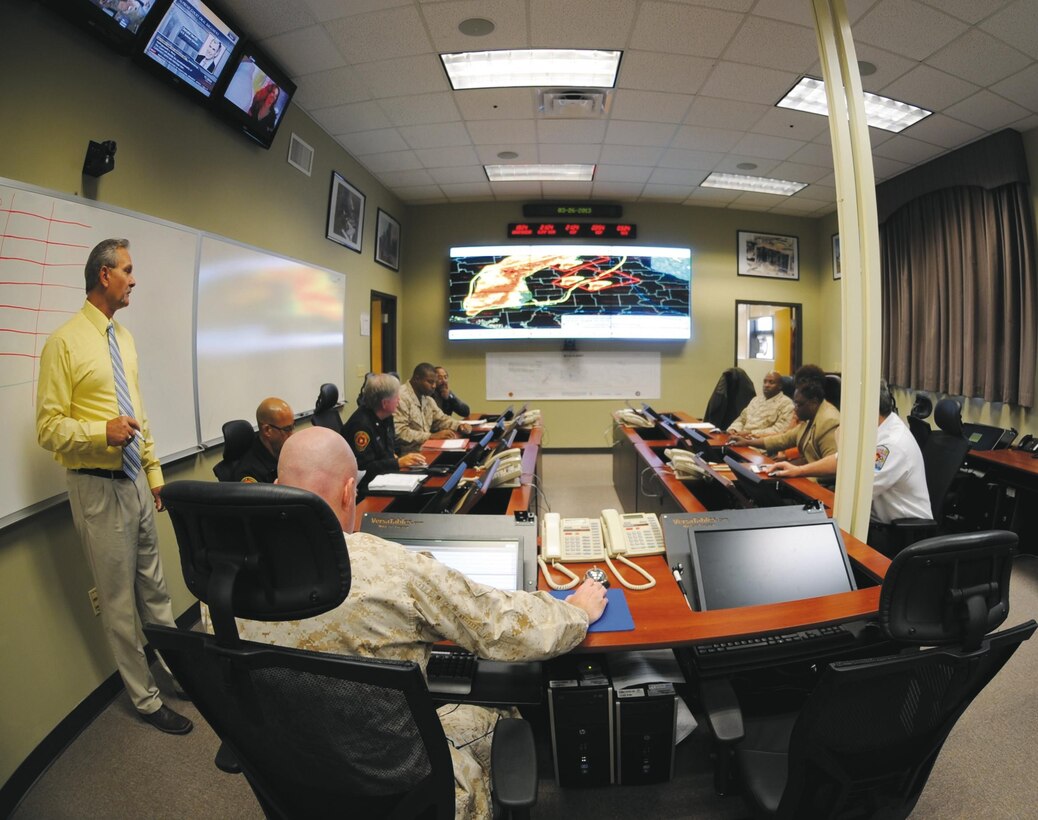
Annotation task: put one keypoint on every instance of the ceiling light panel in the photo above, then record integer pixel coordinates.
(532, 67)
(529, 173)
(880, 112)
(760, 185)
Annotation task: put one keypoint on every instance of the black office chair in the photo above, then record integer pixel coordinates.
(865, 740)
(733, 392)
(833, 389)
(788, 386)
(922, 407)
(920, 430)
(238, 436)
(326, 410)
(316, 735)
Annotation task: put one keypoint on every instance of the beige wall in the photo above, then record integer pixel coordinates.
(690, 369)
(177, 162)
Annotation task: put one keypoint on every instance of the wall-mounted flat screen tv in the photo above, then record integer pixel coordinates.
(192, 45)
(257, 95)
(570, 292)
(115, 21)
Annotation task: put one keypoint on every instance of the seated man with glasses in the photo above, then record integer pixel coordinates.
(260, 464)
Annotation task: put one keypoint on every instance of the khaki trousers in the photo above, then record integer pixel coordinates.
(115, 519)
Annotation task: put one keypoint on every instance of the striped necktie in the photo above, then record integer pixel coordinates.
(132, 451)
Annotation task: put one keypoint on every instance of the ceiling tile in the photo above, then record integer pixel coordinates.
(733, 114)
(711, 196)
(938, 129)
(784, 122)
(412, 178)
(567, 154)
(492, 132)
(755, 202)
(748, 83)
(969, 11)
(460, 174)
(304, 51)
(705, 139)
(1016, 25)
(515, 190)
(979, 58)
(699, 160)
(619, 190)
(325, 10)
(773, 44)
(447, 156)
(328, 88)
(571, 131)
(346, 119)
(392, 161)
(792, 205)
(460, 192)
(622, 173)
(666, 193)
(265, 18)
(422, 194)
(581, 23)
(986, 110)
(762, 145)
(656, 71)
(569, 189)
(907, 27)
(686, 177)
(629, 104)
(929, 88)
(625, 132)
(730, 165)
(496, 103)
(818, 193)
(418, 109)
(814, 153)
(1021, 88)
(884, 168)
(726, 5)
(404, 76)
(488, 154)
(795, 172)
(373, 142)
(440, 135)
(630, 154)
(889, 66)
(508, 17)
(908, 150)
(683, 29)
(380, 35)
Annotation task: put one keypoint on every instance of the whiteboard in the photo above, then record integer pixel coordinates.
(267, 326)
(44, 242)
(573, 375)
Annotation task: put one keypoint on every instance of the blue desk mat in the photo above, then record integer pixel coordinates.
(617, 615)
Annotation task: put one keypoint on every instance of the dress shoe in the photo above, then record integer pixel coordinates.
(166, 720)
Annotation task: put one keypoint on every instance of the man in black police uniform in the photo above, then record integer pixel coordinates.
(260, 464)
(445, 398)
(370, 430)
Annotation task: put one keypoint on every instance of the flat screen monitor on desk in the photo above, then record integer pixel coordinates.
(495, 550)
(751, 557)
(760, 488)
(475, 491)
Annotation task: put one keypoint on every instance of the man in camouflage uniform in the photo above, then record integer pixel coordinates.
(417, 418)
(402, 602)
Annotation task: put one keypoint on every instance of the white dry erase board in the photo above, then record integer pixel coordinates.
(573, 375)
(44, 241)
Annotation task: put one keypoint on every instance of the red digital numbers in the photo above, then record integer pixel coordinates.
(576, 230)
(521, 229)
(546, 229)
(623, 230)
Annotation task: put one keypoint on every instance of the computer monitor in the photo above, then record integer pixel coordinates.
(496, 550)
(760, 488)
(440, 500)
(475, 453)
(475, 491)
(750, 557)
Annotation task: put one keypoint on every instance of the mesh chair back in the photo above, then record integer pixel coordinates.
(238, 436)
(943, 455)
(326, 414)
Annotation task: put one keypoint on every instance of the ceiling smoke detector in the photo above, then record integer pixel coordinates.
(573, 103)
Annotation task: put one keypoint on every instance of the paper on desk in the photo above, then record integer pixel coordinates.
(652, 666)
(451, 443)
(395, 483)
(697, 425)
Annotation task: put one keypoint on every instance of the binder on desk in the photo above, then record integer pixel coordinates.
(395, 483)
(617, 616)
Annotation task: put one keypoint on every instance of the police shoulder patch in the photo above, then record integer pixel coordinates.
(882, 452)
(249, 480)
(362, 439)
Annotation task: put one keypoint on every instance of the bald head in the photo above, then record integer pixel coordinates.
(276, 423)
(319, 460)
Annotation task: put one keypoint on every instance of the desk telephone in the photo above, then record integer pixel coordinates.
(686, 464)
(510, 470)
(1028, 444)
(588, 539)
(632, 418)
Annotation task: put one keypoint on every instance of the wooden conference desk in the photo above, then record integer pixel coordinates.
(661, 615)
(1016, 474)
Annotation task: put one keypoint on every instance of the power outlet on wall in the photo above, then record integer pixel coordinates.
(95, 601)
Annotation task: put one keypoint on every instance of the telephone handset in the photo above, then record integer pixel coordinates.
(529, 418)
(508, 473)
(581, 540)
(632, 418)
(685, 464)
(1028, 444)
(505, 456)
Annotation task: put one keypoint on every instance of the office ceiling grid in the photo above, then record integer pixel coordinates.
(696, 90)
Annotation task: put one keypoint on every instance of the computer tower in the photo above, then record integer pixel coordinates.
(581, 715)
(645, 726)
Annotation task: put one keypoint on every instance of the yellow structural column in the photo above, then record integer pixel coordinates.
(860, 263)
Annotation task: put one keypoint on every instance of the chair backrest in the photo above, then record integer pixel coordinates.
(833, 389)
(943, 455)
(326, 413)
(948, 417)
(788, 385)
(920, 430)
(238, 436)
(922, 406)
(733, 392)
(314, 733)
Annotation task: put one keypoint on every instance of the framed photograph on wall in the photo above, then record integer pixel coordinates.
(837, 272)
(387, 241)
(345, 213)
(768, 255)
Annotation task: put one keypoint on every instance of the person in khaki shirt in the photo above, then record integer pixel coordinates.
(417, 418)
(816, 434)
(90, 415)
(768, 414)
(402, 602)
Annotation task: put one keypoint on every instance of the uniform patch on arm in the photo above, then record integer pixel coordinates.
(362, 440)
(249, 480)
(882, 452)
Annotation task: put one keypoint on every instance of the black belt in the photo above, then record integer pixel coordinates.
(101, 473)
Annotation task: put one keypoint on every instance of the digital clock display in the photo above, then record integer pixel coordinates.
(591, 210)
(574, 230)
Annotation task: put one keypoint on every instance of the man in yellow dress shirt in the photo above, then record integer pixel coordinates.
(89, 414)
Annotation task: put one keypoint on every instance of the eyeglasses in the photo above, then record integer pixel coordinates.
(287, 429)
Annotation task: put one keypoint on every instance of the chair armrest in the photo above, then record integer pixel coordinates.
(913, 523)
(513, 764)
(722, 711)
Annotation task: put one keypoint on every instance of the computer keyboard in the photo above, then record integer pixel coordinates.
(450, 671)
(773, 649)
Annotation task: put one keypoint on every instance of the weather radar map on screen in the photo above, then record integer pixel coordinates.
(570, 292)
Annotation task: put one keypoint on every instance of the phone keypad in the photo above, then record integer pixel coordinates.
(642, 535)
(582, 537)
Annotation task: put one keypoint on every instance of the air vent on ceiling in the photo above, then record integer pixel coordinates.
(300, 155)
(574, 102)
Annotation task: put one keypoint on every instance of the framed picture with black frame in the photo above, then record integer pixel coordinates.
(345, 213)
(768, 255)
(387, 241)
(837, 271)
